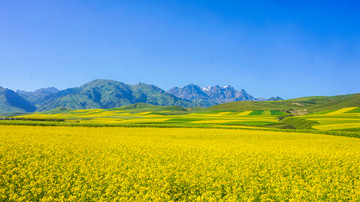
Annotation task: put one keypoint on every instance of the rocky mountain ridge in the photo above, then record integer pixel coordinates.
(214, 94)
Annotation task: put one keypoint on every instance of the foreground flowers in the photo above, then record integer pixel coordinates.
(79, 163)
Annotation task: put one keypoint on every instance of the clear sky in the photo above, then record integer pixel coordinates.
(281, 48)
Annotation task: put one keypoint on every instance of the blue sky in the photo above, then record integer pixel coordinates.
(269, 48)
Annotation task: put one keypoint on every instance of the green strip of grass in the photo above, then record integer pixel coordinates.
(350, 129)
(257, 112)
(299, 123)
(276, 112)
(250, 123)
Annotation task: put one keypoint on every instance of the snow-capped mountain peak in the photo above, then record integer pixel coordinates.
(206, 88)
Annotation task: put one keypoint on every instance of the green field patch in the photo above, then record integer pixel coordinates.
(342, 116)
(256, 112)
(277, 112)
(85, 112)
(351, 129)
(299, 123)
(336, 120)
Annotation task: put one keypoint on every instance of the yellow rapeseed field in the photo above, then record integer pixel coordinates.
(245, 113)
(132, 164)
(337, 126)
(341, 111)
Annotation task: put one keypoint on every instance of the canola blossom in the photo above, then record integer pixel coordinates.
(131, 164)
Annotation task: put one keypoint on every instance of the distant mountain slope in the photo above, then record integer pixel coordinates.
(151, 94)
(194, 93)
(227, 94)
(36, 96)
(10, 101)
(313, 104)
(322, 103)
(109, 94)
(277, 98)
(212, 95)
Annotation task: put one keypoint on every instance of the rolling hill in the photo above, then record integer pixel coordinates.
(11, 102)
(106, 94)
(311, 104)
(38, 95)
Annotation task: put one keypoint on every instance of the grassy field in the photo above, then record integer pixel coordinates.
(347, 118)
(343, 119)
(141, 116)
(312, 104)
(164, 164)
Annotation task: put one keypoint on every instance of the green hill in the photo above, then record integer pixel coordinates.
(58, 110)
(312, 104)
(104, 94)
(38, 95)
(11, 102)
(325, 103)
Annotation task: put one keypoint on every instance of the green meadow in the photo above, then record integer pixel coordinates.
(338, 120)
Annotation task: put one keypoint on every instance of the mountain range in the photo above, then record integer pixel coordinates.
(213, 95)
(106, 94)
